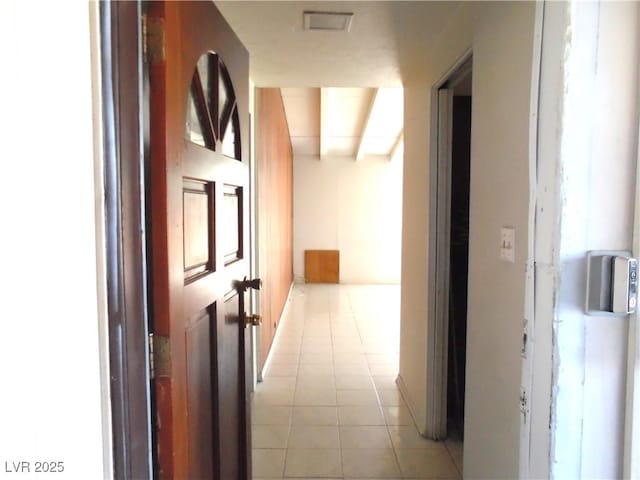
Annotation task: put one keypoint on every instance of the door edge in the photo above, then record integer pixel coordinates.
(124, 236)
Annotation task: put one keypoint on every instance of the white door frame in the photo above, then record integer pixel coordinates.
(439, 243)
(544, 408)
(631, 466)
(254, 236)
(534, 447)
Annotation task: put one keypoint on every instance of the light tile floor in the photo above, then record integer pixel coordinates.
(329, 406)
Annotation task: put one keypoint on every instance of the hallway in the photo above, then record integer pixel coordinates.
(329, 406)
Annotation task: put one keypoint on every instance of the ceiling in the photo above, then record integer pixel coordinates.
(387, 40)
(345, 122)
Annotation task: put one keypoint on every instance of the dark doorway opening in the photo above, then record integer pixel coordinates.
(458, 255)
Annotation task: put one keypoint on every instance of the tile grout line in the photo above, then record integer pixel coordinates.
(333, 360)
(352, 322)
(455, 464)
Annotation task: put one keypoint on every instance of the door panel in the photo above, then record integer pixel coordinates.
(230, 406)
(232, 236)
(200, 378)
(199, 173)
(199, 247)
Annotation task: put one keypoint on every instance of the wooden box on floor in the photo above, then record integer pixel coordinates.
(322, 266)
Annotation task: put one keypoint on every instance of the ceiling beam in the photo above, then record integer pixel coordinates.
(365, 126)
(396, 145)
(324, 121)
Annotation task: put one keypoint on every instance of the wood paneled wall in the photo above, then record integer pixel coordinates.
(274, 163)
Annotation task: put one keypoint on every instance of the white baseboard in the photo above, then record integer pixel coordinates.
(410, 404)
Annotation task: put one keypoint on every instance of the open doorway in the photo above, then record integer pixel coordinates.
(450, 246)
(328, 388)
(335, 155)
(458, 255)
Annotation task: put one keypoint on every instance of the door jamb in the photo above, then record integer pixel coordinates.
(439, 199)
(631, 457)
(121, 65)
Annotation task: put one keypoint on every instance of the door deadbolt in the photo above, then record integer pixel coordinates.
(243, 285)
(253, 320)
(612, 283)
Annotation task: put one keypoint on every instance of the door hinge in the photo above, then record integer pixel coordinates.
(159, 356)
(153, 45)
(152, 371)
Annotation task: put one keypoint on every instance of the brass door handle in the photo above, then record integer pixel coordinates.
(254, 320)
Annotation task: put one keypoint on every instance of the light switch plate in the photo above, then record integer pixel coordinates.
(508, 244)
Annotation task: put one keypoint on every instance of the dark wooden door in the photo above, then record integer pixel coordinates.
(199, 126)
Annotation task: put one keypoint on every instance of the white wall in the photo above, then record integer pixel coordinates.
(455, 41)
(50, 407)
(503, 49)
(353, 207)
(596, 139)
(501, 36)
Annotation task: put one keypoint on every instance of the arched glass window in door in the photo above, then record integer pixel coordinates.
(212, 118)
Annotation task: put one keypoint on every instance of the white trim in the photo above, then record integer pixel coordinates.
(253, 233)
(547, 226)
(101, 249)
(404, 391)
(631, 458)
(437, 415)
(529, 323)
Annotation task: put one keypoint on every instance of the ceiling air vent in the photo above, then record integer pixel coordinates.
(333, 21)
